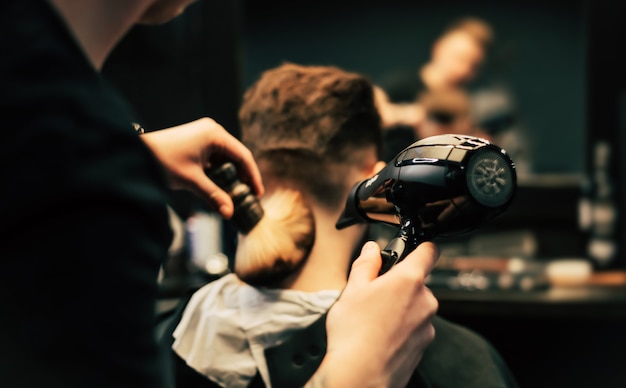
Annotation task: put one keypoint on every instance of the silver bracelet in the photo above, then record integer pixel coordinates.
(139, 129)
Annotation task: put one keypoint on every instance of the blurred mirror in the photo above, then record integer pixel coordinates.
(528, 90)
(521, 83)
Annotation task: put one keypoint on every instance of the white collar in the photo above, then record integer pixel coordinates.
(227, 325)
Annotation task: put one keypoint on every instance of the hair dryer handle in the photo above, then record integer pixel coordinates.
(392, 254)
(405, 241)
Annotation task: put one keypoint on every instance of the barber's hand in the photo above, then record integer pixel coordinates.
(187, 150)
(380, 326)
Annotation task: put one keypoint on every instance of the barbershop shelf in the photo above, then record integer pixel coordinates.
(594, 300)
(556, 336)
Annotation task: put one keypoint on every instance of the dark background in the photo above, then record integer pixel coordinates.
(561, 59)
(188, 68)
(200, 63)
(539, 54)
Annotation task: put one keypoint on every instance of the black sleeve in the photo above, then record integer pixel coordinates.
(459, 357)
(83, 221)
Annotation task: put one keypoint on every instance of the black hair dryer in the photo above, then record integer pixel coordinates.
(439, 186)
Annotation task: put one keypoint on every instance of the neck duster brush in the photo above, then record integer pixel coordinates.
(275, 236)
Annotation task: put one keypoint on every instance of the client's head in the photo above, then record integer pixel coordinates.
(314, 131)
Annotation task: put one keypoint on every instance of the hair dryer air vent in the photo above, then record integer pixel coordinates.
(490, 178)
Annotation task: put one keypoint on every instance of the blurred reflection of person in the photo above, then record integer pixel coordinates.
(443, 97)
(447, 111)
(495, 111)
(456, 57)
(433, 99)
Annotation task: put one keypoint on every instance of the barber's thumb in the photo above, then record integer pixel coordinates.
(366, 266)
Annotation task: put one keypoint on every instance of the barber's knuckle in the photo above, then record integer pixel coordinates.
(434, 304)
(431, 304)
(208, 121)
(416, 278)
(430, 332)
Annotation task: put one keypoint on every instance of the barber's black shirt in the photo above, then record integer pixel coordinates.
(83, 223)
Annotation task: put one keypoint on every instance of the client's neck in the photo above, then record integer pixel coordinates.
(327, 266)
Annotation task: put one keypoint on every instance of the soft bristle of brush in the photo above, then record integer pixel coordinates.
(279, 243)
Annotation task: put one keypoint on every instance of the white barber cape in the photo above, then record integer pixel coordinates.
(227, 325)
